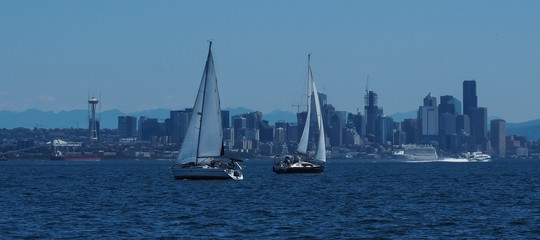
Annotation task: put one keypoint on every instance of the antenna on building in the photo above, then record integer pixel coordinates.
(366, 97)
(367, 84)
(297, 107)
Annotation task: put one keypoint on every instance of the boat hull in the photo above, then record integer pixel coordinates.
(76, 158)
(206, 173)
(298, 169)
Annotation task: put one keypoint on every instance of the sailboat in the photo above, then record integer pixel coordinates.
(201, 155)
(302, 162)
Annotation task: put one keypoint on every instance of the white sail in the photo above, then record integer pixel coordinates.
(321, 146)
(204, 135)
(303, 144)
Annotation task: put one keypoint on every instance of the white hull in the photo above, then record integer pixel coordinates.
(479, 160)
(206, 172)
(477, 157)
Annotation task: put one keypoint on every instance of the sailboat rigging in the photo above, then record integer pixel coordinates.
(302, 162)
(201, 155)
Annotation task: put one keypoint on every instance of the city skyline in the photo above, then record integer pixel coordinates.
(141, 56)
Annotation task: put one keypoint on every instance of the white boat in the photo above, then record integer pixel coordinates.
(477, 157)
(201, 155)
(303, 162)
(415, 152)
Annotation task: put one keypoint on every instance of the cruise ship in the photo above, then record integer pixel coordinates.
(415, 152)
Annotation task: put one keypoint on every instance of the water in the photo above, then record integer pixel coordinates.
(352, 199)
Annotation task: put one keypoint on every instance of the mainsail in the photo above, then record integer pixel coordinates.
(303, 144)
(321, 146)
(204, 135)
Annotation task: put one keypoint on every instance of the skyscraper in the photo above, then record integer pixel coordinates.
(498, 137)
(372, 112)
(479, 127)
(470, 100)
(127, 126)
(428, 119)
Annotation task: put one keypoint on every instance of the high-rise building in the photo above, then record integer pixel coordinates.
(385, 133)
(479, 128)
(446, 106)
(428, 119)
(178, 124)
(127, 126)
(498, 137)
(410, 128)
(140, 123)
(357, 121)
(372, 112)
(470, 100)
(225, 119)
(447, 124)
(447, 115)
(457, 105)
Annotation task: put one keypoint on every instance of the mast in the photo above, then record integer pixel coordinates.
(203, 97)
(308, 73)
(304, 139)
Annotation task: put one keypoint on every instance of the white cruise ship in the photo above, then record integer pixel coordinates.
(415, 152)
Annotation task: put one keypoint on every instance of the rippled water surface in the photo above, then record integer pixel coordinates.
(352, 199)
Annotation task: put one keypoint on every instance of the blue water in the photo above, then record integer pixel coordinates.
(352, 199)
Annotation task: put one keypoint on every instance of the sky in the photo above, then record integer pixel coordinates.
(140, 55)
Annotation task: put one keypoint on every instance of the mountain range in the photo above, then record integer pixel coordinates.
(109, 119)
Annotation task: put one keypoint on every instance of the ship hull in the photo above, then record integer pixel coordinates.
(206, 173)
(298, 168)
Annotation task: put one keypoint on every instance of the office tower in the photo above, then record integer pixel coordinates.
(447, 124)
(127, 126)
(357, 121)
(457, 105)
(410, 128)
(178, 124)
(139, 124)
(463, 124)
(498, 137)
(447, 115)
(225, 119)
(266, 131)
(470, 100)
(286, 126)
(372, 112)
(446, 106)
(428, 118)
(385, 126)
(479, 127)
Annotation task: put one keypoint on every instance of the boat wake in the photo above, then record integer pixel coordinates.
(439, 160)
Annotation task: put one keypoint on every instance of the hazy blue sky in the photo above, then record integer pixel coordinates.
(150, 54)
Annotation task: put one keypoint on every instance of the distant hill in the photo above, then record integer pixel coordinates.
(109, 119)
(529, 129)
(278, 115)
(399, 116)
(69, 119)
(238, 111)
